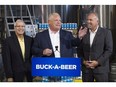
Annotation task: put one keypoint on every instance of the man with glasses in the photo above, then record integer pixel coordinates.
(16, 53)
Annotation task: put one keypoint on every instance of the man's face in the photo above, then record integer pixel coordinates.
(55, 23)
(92, 21)
(20, 28)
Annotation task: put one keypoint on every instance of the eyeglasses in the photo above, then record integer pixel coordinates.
(20, 26)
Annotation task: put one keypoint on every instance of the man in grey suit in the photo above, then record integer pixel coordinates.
(95, 50)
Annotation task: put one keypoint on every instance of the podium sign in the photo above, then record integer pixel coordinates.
(46, 66)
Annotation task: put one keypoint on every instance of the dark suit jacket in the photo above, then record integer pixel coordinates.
(42, 41)
(12, 56)
(100, 50)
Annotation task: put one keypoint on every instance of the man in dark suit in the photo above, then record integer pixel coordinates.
(16, 55)
(55, 42)
(95, 50)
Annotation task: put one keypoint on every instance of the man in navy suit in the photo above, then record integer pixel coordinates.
(55, 42)
(16, 55)
(95, 50)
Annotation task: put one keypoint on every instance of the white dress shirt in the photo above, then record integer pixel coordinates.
(55, 40)
(92, 36)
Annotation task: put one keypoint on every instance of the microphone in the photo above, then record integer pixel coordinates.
(56, 52)
(56, 47)
(84, 25)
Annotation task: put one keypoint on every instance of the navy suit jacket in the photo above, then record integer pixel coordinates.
(42, 41)
(100, 50)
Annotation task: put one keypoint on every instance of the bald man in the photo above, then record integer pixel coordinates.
(95, 51)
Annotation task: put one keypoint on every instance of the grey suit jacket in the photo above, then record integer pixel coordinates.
(100, 50)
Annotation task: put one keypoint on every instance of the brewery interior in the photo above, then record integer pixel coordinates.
(37, 15)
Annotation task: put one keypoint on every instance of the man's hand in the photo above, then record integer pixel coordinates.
(91, 64)
(82, 32)
(47, 52)
(37, 79)
(10, 79)
(86, 63)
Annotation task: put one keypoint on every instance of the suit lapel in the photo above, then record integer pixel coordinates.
(16, 43)
(88, 38)
(47, 36)
(96, 36)
(26, 46)
(61, 42)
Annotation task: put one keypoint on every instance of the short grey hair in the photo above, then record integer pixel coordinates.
(94, 13)
(53, 15)
(18, 20)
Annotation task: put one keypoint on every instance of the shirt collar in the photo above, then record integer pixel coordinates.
(51, 32)
(94, 31)
(21, 39)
